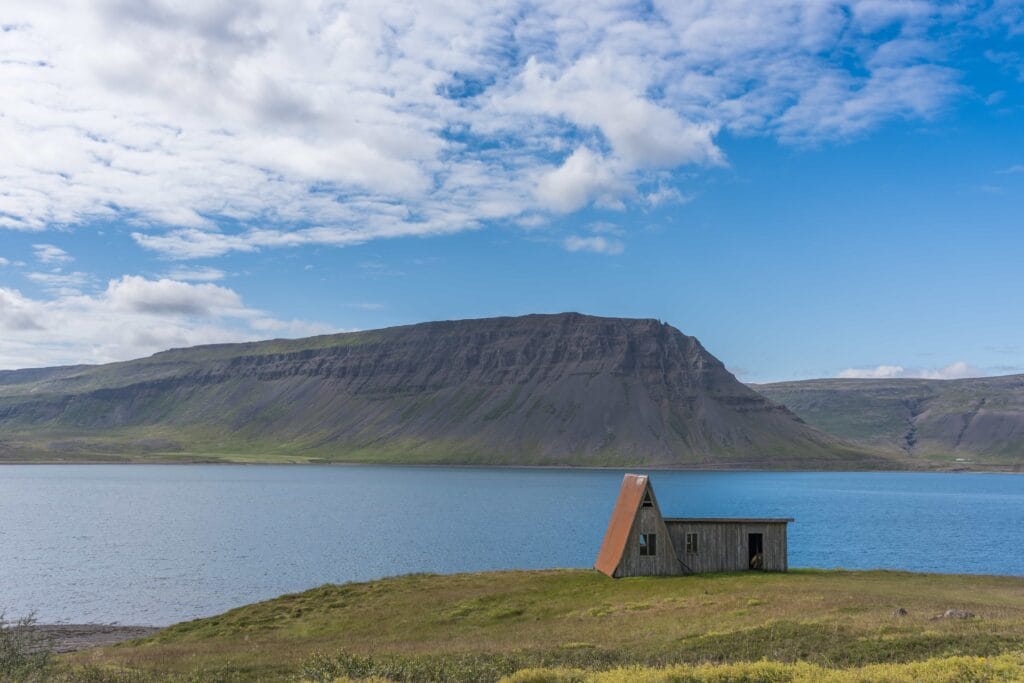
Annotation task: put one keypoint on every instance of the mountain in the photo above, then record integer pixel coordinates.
(563, 389)
(980, 421)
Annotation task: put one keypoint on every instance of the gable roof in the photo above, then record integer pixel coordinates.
(614, 544)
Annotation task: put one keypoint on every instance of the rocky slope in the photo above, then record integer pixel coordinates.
(978, 420)
(538, 389)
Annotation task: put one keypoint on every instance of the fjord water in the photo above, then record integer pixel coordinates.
(155, 544)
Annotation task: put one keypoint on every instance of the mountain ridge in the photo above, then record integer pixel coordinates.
(959, 420)
(552, 389)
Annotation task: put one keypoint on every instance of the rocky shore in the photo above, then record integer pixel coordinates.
(72, 637)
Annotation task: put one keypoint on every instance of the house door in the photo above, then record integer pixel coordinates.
(755, 551)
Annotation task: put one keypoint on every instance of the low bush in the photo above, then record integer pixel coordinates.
(454, 667)
(26, 654)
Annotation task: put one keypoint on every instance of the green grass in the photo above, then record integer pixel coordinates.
(148, 444)
(937, 670)
(483, 626)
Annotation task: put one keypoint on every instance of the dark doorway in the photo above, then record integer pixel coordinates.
(755, 551)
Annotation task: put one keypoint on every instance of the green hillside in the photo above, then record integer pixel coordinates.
(479, 627)
(973, 422)
(562, 389)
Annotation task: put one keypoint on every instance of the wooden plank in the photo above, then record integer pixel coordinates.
(723, 543)
(722, 546)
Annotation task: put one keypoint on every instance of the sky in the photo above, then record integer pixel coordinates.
(811, 188)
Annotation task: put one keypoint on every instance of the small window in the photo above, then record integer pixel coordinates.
(691, 543)
(648, 544)
(648, 503)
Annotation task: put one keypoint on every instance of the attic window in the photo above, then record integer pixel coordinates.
(648, 544)
(691, 543)
(648, 503)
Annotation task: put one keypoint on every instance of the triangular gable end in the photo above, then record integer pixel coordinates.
(635, 488)
(667, 562)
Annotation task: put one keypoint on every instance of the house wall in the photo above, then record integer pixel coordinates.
(722, 546)
(664, 563)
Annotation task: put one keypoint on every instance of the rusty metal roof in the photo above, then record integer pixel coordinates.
(614, 543)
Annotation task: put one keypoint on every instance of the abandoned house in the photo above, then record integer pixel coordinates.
(640, 542)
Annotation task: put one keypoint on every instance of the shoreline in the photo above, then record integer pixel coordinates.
(959, 469)
(65, 638)
(81, 636)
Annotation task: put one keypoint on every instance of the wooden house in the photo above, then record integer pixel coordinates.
(641, 542)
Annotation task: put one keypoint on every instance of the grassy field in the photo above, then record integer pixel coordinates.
(572, 624)
(150, 444)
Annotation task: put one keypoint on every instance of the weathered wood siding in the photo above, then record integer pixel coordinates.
(722, 546)
(665, 562)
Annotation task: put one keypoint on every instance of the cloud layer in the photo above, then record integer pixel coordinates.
(958, 370)
(223, 126)
(132, 317)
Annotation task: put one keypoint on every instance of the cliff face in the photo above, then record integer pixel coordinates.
(539, 389)
(979, 419)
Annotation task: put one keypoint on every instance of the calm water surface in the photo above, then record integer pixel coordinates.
(155, 544)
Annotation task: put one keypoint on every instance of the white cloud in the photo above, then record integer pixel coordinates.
(47, 253)
(4, 262)
(61, 283)
(170, 297)
(532, 221)
(605, 91)
(665, 195)
(582, 178)
(877, 372)
(16, 313)
(1016, 168)
(132, 317)
(957, 370)
(375, 120)
(595, 244)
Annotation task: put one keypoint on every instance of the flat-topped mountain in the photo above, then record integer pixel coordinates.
(539, 389)
(980, 420)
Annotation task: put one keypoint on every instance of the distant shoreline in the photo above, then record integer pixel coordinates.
(937, 469)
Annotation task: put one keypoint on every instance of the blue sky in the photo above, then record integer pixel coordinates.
(816, 190)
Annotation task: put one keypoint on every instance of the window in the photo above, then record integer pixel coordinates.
(648, 503)
(691, 543)
(648, 544)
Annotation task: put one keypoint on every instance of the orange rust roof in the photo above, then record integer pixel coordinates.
(614, 543)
